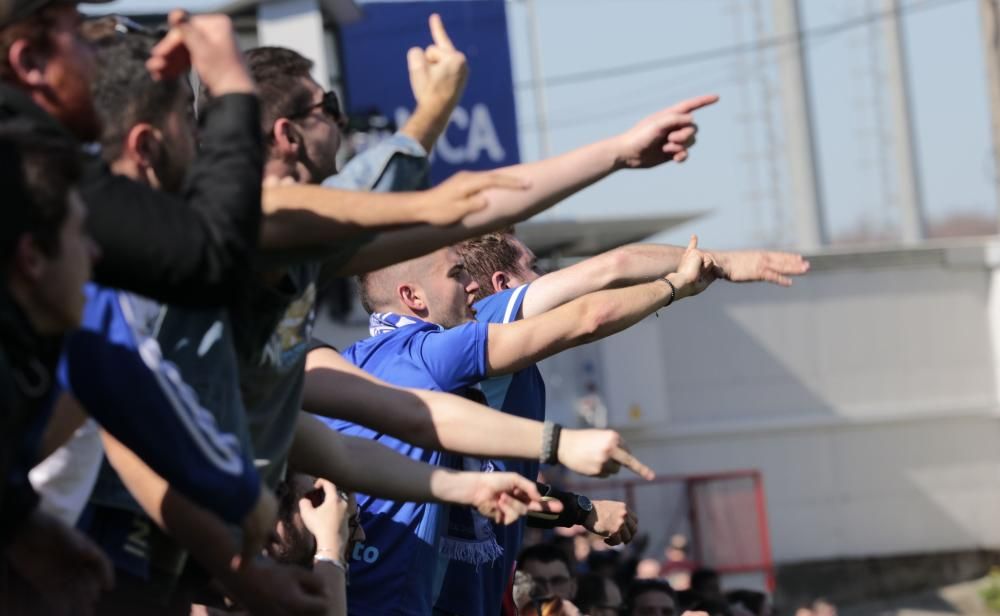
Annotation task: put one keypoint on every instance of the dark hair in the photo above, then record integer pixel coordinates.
(752, 600)
(36, 175)
(35, 29)
(487, 254)
(283, 549)
(279, 73)
(591, 592)
(703, 576)
(544, 553)
(641, 587)
(124, 92)
(712, 606)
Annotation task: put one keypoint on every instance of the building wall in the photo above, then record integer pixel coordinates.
(865, 394)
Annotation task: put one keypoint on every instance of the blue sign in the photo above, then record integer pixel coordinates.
(482, 133)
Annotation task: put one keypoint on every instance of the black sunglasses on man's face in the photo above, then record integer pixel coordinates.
(330, 106)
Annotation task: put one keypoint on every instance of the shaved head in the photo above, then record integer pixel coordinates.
(378, 288)
(436, 288)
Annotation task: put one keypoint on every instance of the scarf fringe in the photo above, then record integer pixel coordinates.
(473, 552)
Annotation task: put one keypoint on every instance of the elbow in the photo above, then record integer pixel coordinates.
(593, 322)
(616, 262)
(421, 429)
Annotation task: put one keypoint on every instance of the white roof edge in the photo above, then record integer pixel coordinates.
(340, 11)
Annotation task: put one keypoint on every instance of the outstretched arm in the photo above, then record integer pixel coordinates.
(254, 584)
(637, 263)
(513, 346)
(304, 218)
(434, 420)
(661, 137)
(362, 465)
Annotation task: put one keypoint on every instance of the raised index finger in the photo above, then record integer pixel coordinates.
(689, 105)
(623, 457)
(438, 33)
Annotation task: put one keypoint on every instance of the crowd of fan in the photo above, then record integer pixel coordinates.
(572, 574)
(174, 440)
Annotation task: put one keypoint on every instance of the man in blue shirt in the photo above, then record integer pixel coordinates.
(424, 334)
(511, 287)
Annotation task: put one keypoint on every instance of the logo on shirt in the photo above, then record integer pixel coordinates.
(368, 554)
(292, 334)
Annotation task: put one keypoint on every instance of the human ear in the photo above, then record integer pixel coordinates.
(29, 261)
(142, 145)
(411, 298)
(500, 281)
(286, 139)
(27, 63)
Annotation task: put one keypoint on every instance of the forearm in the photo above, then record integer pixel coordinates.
(623, 266)
(608, 312)
(196, 529)
(637, 263)
(432, 420)
(303, 217)
(362, 465)
(592, 317)
(426, 126)
(550, 181)
(335, 581)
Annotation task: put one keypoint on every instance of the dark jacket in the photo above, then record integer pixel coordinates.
(189, 249)
(27, 363)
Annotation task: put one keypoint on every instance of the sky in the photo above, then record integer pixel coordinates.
(738, 171)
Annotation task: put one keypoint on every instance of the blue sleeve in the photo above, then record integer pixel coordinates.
(396, 164)
(502, 307)
(455, 358)
(132, 392)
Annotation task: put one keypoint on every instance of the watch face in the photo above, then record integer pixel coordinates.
(584, 503)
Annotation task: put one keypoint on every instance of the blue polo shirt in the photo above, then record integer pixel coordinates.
(468, 590)
(397, 570)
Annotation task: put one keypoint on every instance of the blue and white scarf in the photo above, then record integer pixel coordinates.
(469, 536)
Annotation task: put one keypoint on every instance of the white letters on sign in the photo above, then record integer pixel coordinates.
(478, 131)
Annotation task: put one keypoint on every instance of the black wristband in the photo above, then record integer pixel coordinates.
(673, 291)
(568, 517)
(550, 443)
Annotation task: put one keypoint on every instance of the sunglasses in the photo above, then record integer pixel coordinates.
(127, 25)
(330, 105)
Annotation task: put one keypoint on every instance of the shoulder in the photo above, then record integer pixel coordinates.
(502, 307)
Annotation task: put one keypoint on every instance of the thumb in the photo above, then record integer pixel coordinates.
(529, 489)
(178, 17)
(693, 244)
(306, 506)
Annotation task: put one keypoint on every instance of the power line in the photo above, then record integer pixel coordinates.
(647, 66)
